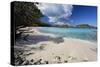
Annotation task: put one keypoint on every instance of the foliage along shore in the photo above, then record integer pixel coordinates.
(28, 14)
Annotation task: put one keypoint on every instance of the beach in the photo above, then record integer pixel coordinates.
(42, 48)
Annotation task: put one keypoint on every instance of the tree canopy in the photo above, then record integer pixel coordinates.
(27, 14)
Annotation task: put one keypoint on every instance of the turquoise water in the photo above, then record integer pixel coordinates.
(89, 34)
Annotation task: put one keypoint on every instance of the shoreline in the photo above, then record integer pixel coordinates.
(67, 51)
(53, 35)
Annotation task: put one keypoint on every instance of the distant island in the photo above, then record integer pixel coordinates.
(76, 26)
(63, 26)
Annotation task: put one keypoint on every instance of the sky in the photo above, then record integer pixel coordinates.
(60, 14)
(84, 15)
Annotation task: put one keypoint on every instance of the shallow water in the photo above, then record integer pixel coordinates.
(89, 34)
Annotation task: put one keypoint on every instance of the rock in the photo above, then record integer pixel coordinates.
(65, 61)
(26, 62)
(29, 54)
(46, 62)
(58, 58)
(70, 58)
(38, 62)
(32, 60)
(20, 61)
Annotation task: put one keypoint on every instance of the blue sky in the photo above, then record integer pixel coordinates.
(84, 15)
(60, 14)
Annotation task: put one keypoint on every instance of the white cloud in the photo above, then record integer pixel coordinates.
(56, 12)
(59, 23)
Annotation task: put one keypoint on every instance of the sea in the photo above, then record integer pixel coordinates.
(89, 34)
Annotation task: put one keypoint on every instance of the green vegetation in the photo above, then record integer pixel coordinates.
(27, 14)
(62, 26)
(65, 26)
(76, 26)
(84, 26)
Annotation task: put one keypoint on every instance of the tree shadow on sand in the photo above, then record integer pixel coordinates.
(34, 39)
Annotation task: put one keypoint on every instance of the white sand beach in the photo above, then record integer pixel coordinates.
(70, 50)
